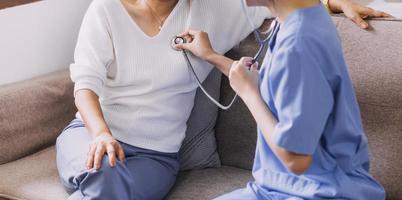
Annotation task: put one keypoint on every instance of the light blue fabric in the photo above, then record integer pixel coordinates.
(305, 83)
(145, 174)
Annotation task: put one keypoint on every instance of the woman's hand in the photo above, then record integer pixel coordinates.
(104, 144)
(198, 43)
(354, 11)
(243, 77)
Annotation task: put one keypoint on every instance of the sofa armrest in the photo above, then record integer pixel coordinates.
(33, 113)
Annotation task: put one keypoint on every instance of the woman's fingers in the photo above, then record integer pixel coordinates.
(100, 151)
(90, 156)
(104, 144)
(110, 150)
(120, 153)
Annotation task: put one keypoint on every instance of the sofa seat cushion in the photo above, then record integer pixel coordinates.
(375, 66)
(32, 178)
(209, 183)
(35, 178)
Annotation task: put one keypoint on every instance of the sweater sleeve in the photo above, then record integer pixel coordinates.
(233, 24)
(93, 52)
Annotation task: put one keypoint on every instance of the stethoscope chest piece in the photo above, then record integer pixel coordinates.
(177, 40)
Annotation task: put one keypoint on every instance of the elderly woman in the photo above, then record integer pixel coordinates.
(134, 93)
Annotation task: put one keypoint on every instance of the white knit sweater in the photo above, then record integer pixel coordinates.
(146, 89)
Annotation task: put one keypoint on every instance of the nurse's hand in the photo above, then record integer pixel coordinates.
(243, 77)
(198, 43)
(354, 11)
(104, 144)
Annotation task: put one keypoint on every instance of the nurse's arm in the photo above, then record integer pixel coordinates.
(221, 62)
(296, 163)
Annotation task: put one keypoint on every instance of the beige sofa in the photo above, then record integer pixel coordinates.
(33, 112)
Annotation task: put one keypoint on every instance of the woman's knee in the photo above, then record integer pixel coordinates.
(75, 137)
(60, 140)
(107, 182)
(71, 154)
(72, 145)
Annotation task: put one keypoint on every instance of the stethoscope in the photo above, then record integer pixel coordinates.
(258, 36)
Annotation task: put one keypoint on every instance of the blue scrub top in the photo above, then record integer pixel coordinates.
(305, 83)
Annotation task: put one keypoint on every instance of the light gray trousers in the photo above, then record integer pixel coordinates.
(145, 174)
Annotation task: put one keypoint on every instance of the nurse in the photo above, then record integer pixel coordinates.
(311, 144)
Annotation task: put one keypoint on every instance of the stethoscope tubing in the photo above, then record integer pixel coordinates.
(261, 42)
(223, 107)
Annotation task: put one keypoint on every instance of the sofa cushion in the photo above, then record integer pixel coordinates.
(235, 132)
(208, 183)
(235, 128)
(375, 65)
(35, 178)
(32, 114)
(374, 60)
(198, 149)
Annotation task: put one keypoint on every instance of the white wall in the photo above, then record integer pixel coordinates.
(38, 38)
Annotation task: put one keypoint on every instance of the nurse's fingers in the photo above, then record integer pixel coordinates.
(183, 46)
(246, 61)
(254, 67)
(190, 32)
(189, 38)
(183, 33)
(194, 32)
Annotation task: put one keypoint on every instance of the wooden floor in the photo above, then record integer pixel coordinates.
(11, 3)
